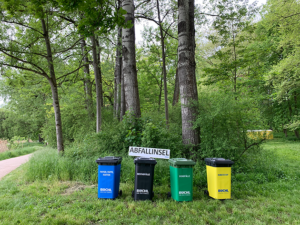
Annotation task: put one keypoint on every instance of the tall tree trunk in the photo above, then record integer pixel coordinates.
(176, 89)
(122, 103)
(87, 81)
(235, 67)
(296, 111)
(98, 83)
(118, 72)
(99, 68)
(186, 71)
(53, 84)
(162, 39)
(160, 92)
(129, 62)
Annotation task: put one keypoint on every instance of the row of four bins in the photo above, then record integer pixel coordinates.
(181, 178)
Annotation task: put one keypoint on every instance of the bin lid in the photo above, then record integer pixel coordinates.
(109, 160)
(218, 162)
(144, 160)
(181, 162)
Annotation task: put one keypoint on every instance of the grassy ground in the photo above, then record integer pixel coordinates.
(27, 149)
(255, 199)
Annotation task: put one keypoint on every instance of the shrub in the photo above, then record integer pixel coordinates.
(224, 122)
(115, 138)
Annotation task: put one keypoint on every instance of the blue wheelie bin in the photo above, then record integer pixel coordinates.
(109, 171)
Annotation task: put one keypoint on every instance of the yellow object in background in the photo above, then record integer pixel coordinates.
(218, 172)
(259, 134)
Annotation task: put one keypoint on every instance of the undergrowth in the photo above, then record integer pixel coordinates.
(259, 167)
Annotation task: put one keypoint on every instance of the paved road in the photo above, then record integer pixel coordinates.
(8, 165)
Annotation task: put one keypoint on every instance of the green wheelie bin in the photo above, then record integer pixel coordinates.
(181, 175)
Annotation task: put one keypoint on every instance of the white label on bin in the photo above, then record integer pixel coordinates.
(142, 191)
(185, 193)
(143, 174)
(106, 190)
(184, 176)
(149, 152)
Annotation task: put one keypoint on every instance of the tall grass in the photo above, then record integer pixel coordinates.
(27, 149)
(259, 167)
(47, 164)
(3, 145)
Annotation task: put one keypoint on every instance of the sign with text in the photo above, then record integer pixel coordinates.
(149, 152)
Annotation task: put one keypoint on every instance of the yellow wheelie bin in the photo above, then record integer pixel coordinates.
(218, 177)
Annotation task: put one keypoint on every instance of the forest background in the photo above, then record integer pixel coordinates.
(73, 77)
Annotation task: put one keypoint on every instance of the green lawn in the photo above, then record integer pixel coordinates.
(255, 200)
(26, 149)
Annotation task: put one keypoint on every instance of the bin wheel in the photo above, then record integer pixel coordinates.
(169, 195)
(120, 193)
(206, 192)
(132, 194)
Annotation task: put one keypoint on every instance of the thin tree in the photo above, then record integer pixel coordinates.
(30, 53)
(118, 71)
(118, 74)
(98, 82)
(147, 14)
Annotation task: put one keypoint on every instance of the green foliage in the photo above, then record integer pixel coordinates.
(74, 116)
(224, 122)
(15, 143)
(227, 64)
(115, 138)
(97, 15)
(149, 66)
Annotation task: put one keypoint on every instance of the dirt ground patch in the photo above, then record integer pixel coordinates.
(77, 187)
(3, 145)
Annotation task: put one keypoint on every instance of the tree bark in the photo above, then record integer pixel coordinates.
(160, 92)
(129, 62)
(118, 72)
(186, 71)
(176, 89)
(235, 68)
(98, 49)
(87, 81)
(53, 84)
(296, 110)
(285, 132)
(98, 83)
(164, 63)
(122, 103)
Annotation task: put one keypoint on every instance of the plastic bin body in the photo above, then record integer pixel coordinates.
(144, 174)
(219, 177)
(109, 171)
(181, 176)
